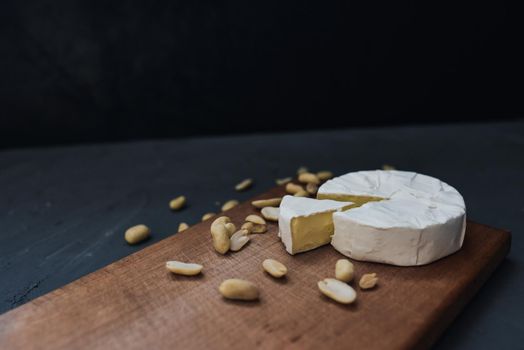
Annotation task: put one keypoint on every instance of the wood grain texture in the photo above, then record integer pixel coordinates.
(135, 303)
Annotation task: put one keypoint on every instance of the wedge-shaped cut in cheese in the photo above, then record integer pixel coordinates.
(306, 223)
(357, 200)
(404, 218)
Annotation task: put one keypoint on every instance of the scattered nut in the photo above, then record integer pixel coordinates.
(283, 181)
(254, 228)
(311, 188)
(222, 220)
(220, 237)
(238, 289)
(388, 167)
(324, 175)
(238, 240)
(255, 219)
(293, 188)
(182, 226)
(302, 193)
(368, 281)
(337, 290)
(270, 213)
(274, 268)
(229, 204)
(308, 178)
(241, 232)
(137, 234)
(257, 228)
(344, 270)
(187, 269)
(244, 185)
(207, 216)
(177, 203)
(248, 226)
(271, 202)
(230, 227)
(302, 170)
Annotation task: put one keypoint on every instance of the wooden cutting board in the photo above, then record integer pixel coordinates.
(135, 303)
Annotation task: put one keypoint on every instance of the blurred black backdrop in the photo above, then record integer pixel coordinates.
(90, 71)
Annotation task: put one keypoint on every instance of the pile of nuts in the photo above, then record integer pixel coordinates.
(311, 181)
(226, 237)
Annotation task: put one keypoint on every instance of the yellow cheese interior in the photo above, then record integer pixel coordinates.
(358, 200)
(312, 231)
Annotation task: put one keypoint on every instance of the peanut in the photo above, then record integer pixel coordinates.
(248, 226)
(254, 228)
(230, 227)
(274, 268)
(324, 175)
(368, 281)
(344, 270)
(311, 188)
(308, 178)
(229, 204)
(271, 202)
(388, 167)
(223, 221)
(270, 213)
(177, 203)
(244, 185)
(255, 219)
(137, 234)
(207, 216)
(237, 289)
(187, 269)
(238, 240)
(220, 237)
(337, 290)
(283, 180)
(182, 227)
(293, 188)
(257, 228)
(302, 193)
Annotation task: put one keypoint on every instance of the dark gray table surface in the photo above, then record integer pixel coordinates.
(63, 211)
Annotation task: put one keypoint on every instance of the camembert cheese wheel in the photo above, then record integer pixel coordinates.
(395, 217)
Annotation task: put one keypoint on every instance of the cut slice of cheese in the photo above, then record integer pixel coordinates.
(404, 218)
(306, 223)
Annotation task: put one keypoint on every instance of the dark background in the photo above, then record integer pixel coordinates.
(90, 71)
(93, 71)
